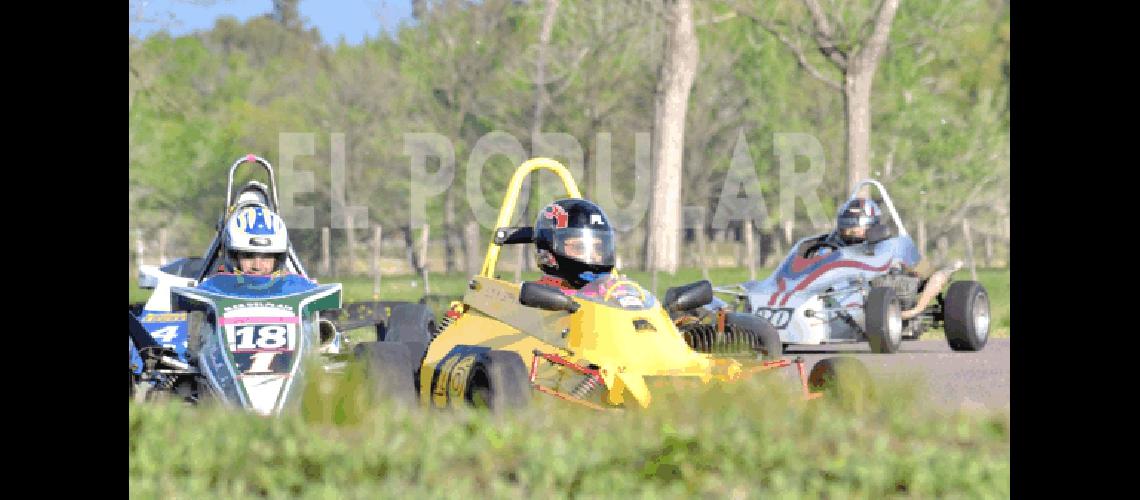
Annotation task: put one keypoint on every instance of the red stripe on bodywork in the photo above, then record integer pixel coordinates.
(800, 263)
(843, 263)
(779, 290)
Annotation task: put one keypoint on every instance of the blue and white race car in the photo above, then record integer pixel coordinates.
(864, 292)
(244, 340)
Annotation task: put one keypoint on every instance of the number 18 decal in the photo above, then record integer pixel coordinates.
(253, 338)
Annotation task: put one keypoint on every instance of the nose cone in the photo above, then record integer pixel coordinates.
(264, 391)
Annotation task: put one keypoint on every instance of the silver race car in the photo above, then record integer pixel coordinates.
(864, 292)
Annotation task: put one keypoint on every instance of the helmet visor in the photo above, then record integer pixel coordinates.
(587, 246)
(855, 221)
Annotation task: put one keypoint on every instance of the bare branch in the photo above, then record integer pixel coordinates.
(873, 49)
(825, 35)
(716, 19)
(800, 57)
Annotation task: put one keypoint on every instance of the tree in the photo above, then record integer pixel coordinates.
(671, 102)
(856, 58)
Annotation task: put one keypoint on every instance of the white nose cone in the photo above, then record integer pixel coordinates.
(264, 391)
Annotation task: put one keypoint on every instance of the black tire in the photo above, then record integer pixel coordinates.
(883, 316)
(840, 377)
(500, 381)
(388, 368)
(413, 324)
(761, 335)
(195, 321)
(967, 316)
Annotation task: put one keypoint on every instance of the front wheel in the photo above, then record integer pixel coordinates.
(884, 322)
(499, 381)
(967, 316)
(844, 378)
(757, 332)
(388, 368)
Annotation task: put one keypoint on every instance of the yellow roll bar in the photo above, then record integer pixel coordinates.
(511, 198)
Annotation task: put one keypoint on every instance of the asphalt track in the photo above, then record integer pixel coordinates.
(969, 380)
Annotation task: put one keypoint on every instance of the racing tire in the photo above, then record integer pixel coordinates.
(500, 381)
(759, 332)
(413, 324)
(845, 378)
(195, 321)
(884, 324)
(967, 316)
(388, 369)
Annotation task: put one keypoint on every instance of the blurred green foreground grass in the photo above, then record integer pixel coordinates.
(748, 440)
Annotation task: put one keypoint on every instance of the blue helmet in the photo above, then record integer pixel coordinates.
(256, 229)
(857, 213)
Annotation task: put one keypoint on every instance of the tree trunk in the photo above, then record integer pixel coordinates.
(326, 269)
(857, 99)
(969, 242)
(674, 82)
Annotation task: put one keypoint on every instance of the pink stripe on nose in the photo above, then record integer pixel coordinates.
(257, 319)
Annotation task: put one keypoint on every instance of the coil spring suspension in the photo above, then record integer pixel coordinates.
(585, 387)
(705, 338)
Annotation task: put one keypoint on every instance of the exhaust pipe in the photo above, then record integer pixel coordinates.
(933, 286)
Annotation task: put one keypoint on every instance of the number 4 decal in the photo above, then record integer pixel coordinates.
(165, 334)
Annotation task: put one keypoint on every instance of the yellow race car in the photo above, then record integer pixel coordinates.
(505, 340)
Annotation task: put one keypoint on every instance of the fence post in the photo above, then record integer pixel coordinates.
(424, 254)
(350, 240)
(749, 249)
(140, 248)
(376, 235)
(969, 241)
(162, 246)
(326, 264)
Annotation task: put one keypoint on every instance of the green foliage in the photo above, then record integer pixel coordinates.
(199, 101)
(752, 438)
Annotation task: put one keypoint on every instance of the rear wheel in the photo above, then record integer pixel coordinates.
(499, 381)
(388, 368)
(883, 314)
(967, 316)
(414, 325)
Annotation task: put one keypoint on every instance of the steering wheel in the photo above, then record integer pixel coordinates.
(810, 252)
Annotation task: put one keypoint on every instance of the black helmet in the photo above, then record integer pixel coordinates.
(855, 217)
(574, 241)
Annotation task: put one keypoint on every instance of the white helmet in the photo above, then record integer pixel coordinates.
(256, 229)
